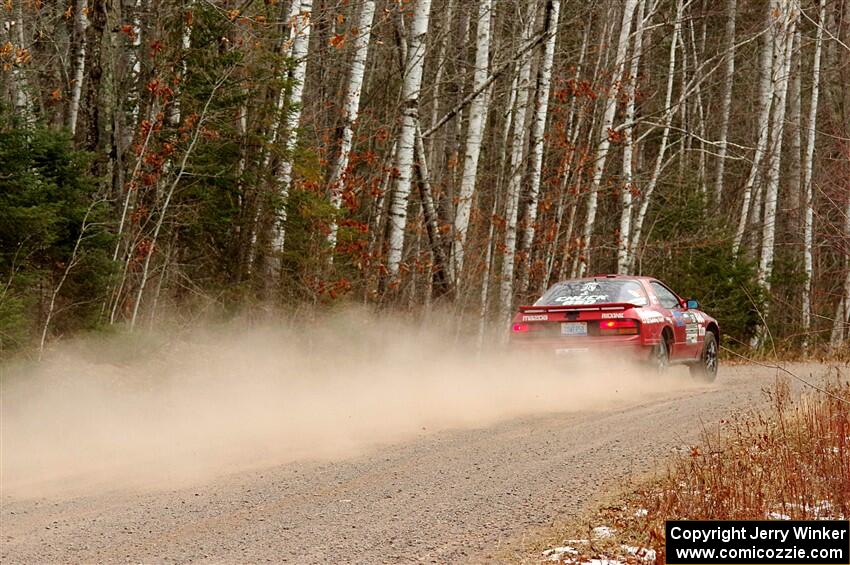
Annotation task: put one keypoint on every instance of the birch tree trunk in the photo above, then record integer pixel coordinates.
(407, 137)
(286, 46)
(20, 87)
(185, 45)
(440, 63)
(646, 195)
(782, 63)
(475, 133)
(628, 148)
(440, 274)
(698, 52)
(574, 127)
(81, 23)
(506, 280)
(726, 103)
(808, 195)
(794, 116)
(765, 99)
(283, 175)
(544, 81)
(350, 110)
(132, 103)
(607, 122)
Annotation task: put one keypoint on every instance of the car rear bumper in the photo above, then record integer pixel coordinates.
(631, 347)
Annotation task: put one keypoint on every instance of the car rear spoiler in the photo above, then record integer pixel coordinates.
(574, 307)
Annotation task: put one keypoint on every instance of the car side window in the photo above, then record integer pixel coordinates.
(665, 297)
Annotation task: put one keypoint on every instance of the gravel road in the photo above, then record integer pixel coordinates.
(444, 497)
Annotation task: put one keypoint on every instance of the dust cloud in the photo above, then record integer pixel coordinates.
(146, 410)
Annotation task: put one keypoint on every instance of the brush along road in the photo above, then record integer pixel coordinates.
(440, 496)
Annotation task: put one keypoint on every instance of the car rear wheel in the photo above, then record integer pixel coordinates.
(706, 369)
(659, 359)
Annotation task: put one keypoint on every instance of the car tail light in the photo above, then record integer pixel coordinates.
(520, 328)
(618, 327)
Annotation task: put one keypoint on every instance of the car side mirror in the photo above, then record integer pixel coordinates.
(692, 304)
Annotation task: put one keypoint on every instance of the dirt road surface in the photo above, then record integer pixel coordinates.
(443, 497)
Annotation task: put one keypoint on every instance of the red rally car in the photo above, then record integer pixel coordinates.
(640, 316)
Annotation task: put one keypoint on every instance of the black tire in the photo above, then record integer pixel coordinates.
(659, 359)
(706, 369)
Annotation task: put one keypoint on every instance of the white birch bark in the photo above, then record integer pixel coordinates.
(697, 57)
(351, 109)
(185, 45)
(440, 63)
(475, 133)
(544, 81)
(646, 195)
(795, 165)
(20, 87)
(484, 303)
(134, 66)
(726, 101)
(607, 122)
(286, 51)
(506, 279)
(407, 137)
(283, 176)
(574, 127)
(628, 147)
(81, 24)
(808, 204)
(439, 261)
(782, 60)
(765, 100)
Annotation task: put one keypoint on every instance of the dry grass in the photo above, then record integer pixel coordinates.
(791, 461)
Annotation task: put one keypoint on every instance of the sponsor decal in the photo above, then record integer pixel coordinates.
(582, 299)
(650, 317)
(607, 315)
(691, 333)
(689, 317)
(535, 318)
(701, 330)
(699, 317)
(678, 319)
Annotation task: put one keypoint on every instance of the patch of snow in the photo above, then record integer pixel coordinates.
(821, 510)
(559, 553)
(641, 512)
(603, 532)
(778, 516)
(602, 562)
(642, 553)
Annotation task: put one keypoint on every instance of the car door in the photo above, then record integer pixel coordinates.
(685, 329)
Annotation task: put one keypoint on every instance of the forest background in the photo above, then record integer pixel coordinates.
(163, 158)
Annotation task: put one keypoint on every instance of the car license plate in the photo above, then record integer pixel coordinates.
(570, 351)
(574, 328)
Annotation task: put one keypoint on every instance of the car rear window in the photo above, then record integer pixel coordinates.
(593, 292)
